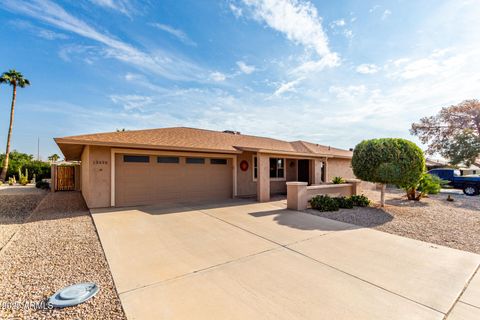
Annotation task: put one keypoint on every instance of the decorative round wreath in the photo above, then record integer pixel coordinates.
(244, 165)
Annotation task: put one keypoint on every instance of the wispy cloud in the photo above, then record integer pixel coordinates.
(386, 14)
(122, 6)
(245, 68)
(132, 101)
(218, 76)
(179, 34)
(299, 22)
(160, 62)
(237, 12)
(287, 87)
(338, 23)
(367, 68)
(38, 31)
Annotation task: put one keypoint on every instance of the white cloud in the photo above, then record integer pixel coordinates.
(312, 66)
(439, 62)
(374, 8)
(386, 14)
(349, 92)
(367, 68)
(218, 76)
(159, 62)
(245, 68)
(299, 21)
(237, 12)
(338, 23)
(122, 6)
(179, 34)
(132, 101)
(348, 33)
(38, 31)
(287, 87)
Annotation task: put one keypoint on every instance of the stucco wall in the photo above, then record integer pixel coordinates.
(245, 184)
(339, 168)
(96, 176)
(85, 173)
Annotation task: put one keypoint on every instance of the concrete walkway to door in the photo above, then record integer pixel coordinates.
(245, 260)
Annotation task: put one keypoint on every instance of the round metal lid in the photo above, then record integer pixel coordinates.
(73, 295)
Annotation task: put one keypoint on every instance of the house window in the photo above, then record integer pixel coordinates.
(277, 168)
(168, 160)
(144, 159)
(218, 161)
(195, 160)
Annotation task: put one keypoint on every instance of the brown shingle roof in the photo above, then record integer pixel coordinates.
(198, 139)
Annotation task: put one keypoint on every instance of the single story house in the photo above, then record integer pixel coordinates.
(143, 167)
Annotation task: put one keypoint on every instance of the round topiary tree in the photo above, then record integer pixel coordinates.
(395, 161)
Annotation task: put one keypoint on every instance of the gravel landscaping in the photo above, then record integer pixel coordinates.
(16, 204)
(56, 247)
(453, 224)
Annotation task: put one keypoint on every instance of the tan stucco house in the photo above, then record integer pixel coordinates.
(185, 164)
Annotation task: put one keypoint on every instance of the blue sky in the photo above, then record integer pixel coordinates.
(331, 72)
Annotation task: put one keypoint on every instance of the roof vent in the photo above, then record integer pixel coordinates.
(231, 132)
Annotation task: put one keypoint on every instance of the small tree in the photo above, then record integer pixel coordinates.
(388, 161)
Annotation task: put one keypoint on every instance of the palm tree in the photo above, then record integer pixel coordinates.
(54, 157)
(13, 78)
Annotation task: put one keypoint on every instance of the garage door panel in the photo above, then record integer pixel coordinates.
(153, 182)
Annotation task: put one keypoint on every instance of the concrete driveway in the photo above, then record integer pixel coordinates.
(246, 260)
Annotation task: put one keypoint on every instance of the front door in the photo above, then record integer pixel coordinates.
(304, 170)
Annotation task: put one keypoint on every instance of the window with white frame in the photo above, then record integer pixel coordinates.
(277, 168)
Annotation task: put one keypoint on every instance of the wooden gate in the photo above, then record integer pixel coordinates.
(65, 178)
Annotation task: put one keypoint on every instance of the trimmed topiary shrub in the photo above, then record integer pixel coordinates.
(324, 203)
(344, 202)
(388, 161)
(360, 201)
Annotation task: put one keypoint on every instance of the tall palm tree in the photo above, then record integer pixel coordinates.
(13, 78)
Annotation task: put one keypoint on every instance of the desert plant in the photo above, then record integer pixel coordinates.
(428, 184)
(42, 185)
(360, 200)
(344, 202)
(338, 180)
(324, 203)
(394, 161)
(23, 178)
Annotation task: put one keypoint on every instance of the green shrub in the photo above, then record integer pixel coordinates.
(24, 161)
(11, 181)
(344, 202)
(324, 203)
(430, 184)
(42, 185)
(360, 200)
(338, 180)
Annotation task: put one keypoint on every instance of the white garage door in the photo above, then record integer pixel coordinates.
(150, 179)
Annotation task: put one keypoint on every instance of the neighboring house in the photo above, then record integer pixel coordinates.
(185, 164)
(472, 170)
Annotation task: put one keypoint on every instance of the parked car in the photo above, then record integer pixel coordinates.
(469, 184)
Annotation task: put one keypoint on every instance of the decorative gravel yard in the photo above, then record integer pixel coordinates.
(453, 224)
(55, 247)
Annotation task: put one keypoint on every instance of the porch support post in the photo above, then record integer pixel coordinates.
(317, 171)
(263, 177)
(327, 177)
